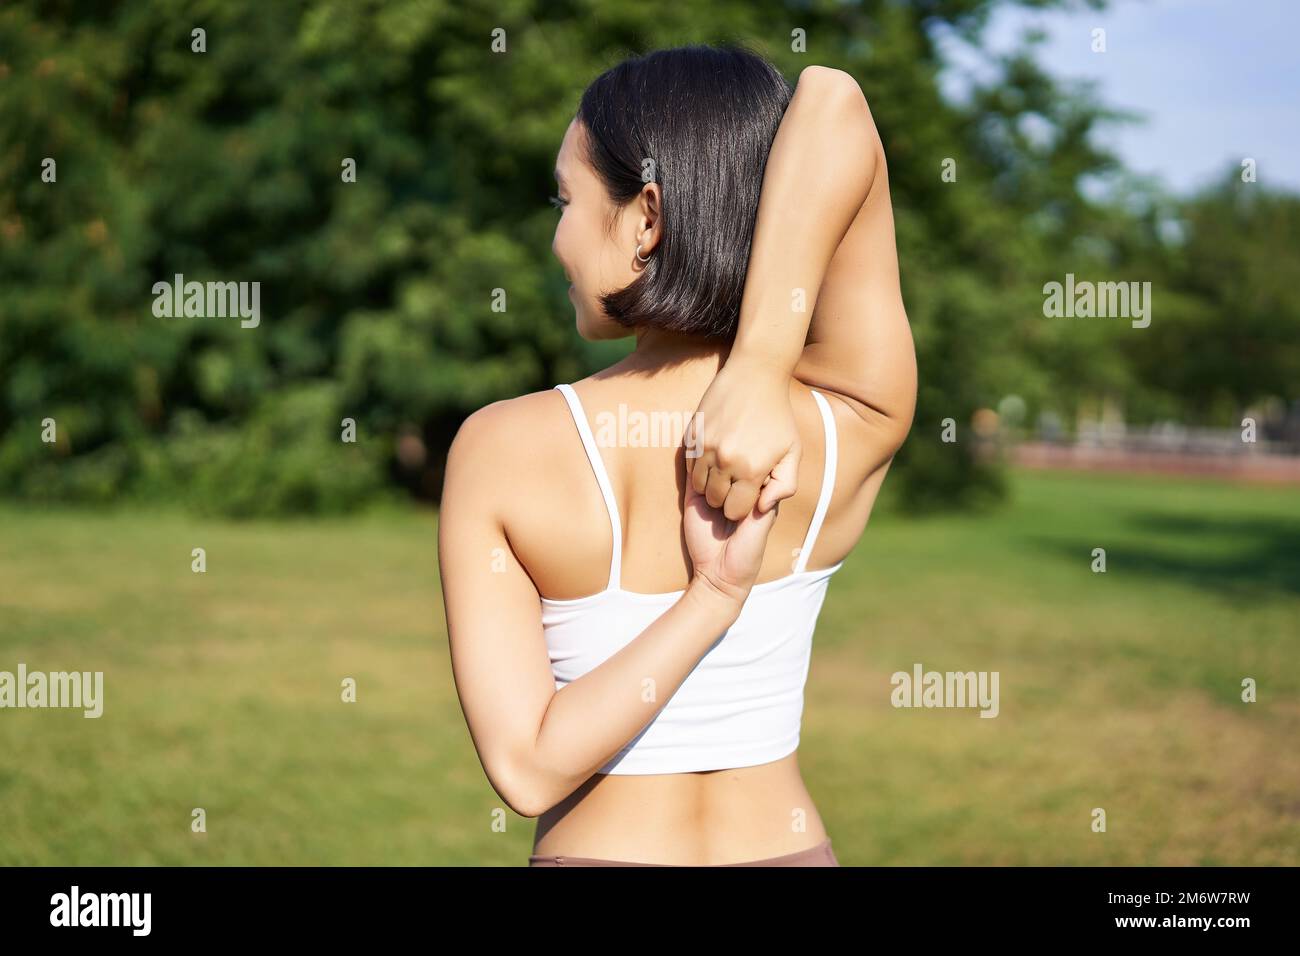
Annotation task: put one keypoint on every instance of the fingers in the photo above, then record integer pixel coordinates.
(750, 533)
(694, 503)
(717, 487)
(737, 497)
(699, 472)
(740, 499)
(783, 481)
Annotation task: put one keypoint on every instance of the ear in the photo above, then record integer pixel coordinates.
(649, 205)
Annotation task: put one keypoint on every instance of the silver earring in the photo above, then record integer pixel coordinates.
(638, 254)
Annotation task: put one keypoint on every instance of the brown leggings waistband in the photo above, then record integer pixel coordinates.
(819, 855)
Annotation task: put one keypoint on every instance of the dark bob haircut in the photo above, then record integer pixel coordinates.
(704, 117)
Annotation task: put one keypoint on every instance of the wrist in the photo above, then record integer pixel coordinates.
(761, 363)
(719, 603)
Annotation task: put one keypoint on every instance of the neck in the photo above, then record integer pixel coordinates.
(659, 350)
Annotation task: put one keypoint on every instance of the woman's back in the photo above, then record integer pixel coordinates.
(637, 420)
(742, 703)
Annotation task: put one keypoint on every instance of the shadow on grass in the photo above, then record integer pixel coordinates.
(1237, 557)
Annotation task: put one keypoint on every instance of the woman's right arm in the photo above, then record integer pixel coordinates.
(537, 745)
(827, 314)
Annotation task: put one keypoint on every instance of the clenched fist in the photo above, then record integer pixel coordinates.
(744, 431)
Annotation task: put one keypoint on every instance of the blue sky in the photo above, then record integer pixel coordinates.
(1215, 80)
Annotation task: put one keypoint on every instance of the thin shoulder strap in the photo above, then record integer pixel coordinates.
(828, 483)
(602, 479)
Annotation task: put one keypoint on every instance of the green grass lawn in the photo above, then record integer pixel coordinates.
(1118, 690)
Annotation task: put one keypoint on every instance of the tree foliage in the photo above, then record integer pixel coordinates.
(377, 295)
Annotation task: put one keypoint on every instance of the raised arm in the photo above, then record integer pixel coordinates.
(819, 172)
(537, 745)
(825, 173)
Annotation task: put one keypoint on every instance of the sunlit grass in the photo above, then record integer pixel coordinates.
(1118, 690)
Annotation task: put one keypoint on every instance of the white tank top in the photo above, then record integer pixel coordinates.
(742, 704)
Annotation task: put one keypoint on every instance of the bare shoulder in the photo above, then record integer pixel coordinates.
(509, 417)
(515, 479)
(499, 440)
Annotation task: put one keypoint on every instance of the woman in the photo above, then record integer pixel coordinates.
(630, 660)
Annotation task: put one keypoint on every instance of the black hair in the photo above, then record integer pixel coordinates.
(704, 117)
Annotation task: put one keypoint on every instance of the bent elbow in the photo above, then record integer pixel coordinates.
(523, 792)
(833, 87)
(524, 805)
(840, 109)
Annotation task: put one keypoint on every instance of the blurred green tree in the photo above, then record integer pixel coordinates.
(231, 164)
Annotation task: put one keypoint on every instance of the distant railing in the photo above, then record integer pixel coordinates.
(1173, 438)
(1166, 449)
